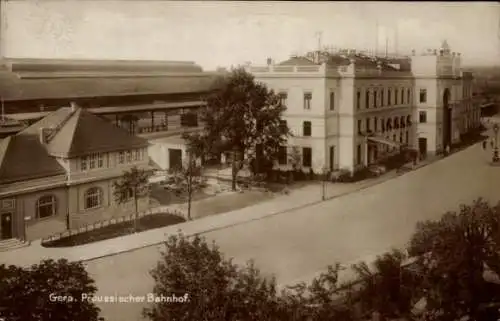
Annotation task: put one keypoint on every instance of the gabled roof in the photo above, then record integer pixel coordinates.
(74, 133)
(297, 61)
(84, 133)
(23, 157)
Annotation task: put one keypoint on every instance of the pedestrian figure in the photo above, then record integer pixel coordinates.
(485, 144)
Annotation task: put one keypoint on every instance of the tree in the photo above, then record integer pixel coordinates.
(242, 117)
(134, 184)
(295, 158)
(388, 288)
(51, 290)
(323, 299)
(216, 288)
(186, 180)
(454, 252)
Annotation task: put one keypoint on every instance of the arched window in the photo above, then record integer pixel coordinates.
(46, 206)
(93, 198)
(402, 121)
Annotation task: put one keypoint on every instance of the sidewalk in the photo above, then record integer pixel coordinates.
(297, 199)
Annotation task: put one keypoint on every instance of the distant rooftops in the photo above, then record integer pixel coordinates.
(76, 65)
(342, 58)
(28, 79)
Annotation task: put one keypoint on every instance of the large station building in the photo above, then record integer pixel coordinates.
(347, 110)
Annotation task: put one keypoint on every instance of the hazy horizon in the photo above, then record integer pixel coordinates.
(216, 34)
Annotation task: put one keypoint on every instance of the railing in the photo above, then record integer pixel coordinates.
(100, 224)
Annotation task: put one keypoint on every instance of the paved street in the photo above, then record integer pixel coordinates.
(297, 244)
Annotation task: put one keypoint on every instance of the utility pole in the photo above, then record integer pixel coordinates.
(396, 38)
(319, 35)
(3, 110)
(386, 46)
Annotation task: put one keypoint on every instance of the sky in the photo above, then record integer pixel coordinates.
(225, 33)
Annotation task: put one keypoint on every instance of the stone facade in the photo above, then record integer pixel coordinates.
(343, 104)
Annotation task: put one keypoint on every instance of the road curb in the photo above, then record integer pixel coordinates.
(247, 221)
(363, 187)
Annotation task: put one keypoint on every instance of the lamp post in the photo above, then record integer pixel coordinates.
(495, 158)
(323, 183)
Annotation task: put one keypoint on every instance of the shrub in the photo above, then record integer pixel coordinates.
(311, 175)
(300, 175)
(290, 177)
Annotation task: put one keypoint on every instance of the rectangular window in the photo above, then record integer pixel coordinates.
(402, 99)
(396, 96)
(367, 121)
(92, 161)
(367, 99)
(283, 126)
(375, 124)
(128, 155)
(306, 156)
(408, 96)
(282, 155)
(332, 101)
(121, 157)
(389, 97)
(360, 129)
(307, 101)
(382, 102)
(423, 95)
(83, 163)
(307, 128)
(283, 96)
(422, 117)
(375, 102)
(358, 155)
(358, 100)
(100, 160)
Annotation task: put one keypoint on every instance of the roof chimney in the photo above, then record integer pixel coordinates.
(74, 106)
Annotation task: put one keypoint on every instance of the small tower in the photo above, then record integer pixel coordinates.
(445, 48)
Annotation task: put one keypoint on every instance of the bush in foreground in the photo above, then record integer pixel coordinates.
(219, 290)
(47, 291)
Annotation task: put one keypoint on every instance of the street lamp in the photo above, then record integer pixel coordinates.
(495, 158)
(323, 183)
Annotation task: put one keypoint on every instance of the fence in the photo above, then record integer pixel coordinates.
(100, 224)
